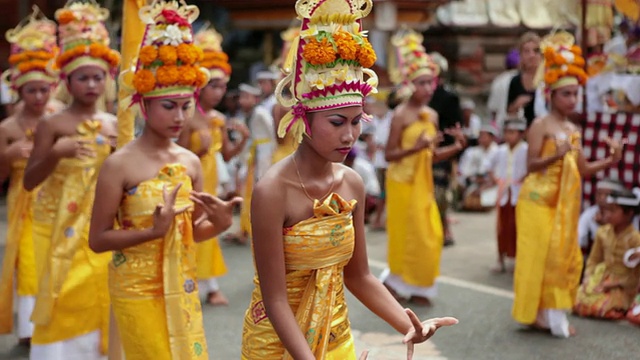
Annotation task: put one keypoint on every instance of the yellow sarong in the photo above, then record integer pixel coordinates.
(208, 253)
(316, 251)
(153, 287)
(245, 213)
(414, 227)
(288, 146)
(72, 295)
(19, 261)
(549, 260)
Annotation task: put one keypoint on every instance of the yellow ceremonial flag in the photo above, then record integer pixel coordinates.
(132, 32)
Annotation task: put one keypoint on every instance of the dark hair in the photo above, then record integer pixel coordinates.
(393, 100)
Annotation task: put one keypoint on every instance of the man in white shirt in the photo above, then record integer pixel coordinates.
(267, 83)
(471, 121)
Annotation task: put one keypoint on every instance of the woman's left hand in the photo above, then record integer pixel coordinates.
(422, 331)
(458, 134)
(214, 209)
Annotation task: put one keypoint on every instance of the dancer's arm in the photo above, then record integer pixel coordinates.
(371, 292)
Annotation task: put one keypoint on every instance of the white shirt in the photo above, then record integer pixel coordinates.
(268, 103)
(380, 137)
(263, 135)
(475, 124)
(474, 160)
(510, 167)
(587, 225)
(7, 96)
(368, 174)
(499, 95)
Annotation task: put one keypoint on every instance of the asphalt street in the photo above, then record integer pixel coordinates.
(468, 290)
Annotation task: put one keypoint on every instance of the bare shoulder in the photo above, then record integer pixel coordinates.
(272, 185)
(433, 115)
(9, 124)
(216, 114)
(350, 177)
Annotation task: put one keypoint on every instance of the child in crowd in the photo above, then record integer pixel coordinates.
(506, 169)
(610, 282)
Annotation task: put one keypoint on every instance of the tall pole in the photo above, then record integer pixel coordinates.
(132, 32)
(583, 43)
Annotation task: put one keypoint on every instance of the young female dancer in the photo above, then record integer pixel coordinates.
(148, 188)
(309, 235)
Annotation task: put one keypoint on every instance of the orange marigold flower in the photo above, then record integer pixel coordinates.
(549, 54)
(319, 52)
(188, 75)
(559, 59)
(97, 50)
(144, 81)
(200, 53)
(201, 78)
(168, 55)
(366, 55)
(347, 47)
(187, 53)
(148, 54)
(16, 58)
(167, 75)
(65, 17)
(550, 77)
(578, 61)
(576, 50)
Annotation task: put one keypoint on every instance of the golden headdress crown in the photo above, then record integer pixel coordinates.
(331, 58)
(33, 45)
(83, 37)
(168, 60)
(563, 61)
(410, 61)
(215, 60)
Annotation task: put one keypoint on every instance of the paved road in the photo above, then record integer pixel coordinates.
(468, 290)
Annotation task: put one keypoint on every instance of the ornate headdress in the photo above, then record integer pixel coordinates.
(33, 45)
(168, 61)
(215, 60)
(332, 57)
(411, 61)
(563, 61)
(84, 39)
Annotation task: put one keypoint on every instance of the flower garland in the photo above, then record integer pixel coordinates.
(564, 62)
(216, 60)
(94, 50)
(325, 48)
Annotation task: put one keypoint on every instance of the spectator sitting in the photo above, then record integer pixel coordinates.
(473, 175)
(368, 174)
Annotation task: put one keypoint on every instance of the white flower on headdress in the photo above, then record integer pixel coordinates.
(318, 81)
(568, 55)
(312, 31)
(172, 35)
(340, 73)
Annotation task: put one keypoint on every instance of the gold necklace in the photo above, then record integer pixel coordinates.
(304, 189)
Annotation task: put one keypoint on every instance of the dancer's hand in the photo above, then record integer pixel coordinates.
(214, 209)
(563, 146)
(241, 128)
(68, 147)
(423, 142)
(422, 331)
(364, 355)
(615, 148)
(458, 134)
(20, 149)
(165, 213)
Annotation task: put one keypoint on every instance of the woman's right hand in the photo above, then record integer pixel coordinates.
(364, 355)
(20, 149)
(562, 148)
(423, 142)
(165, 213)
(68, 147)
